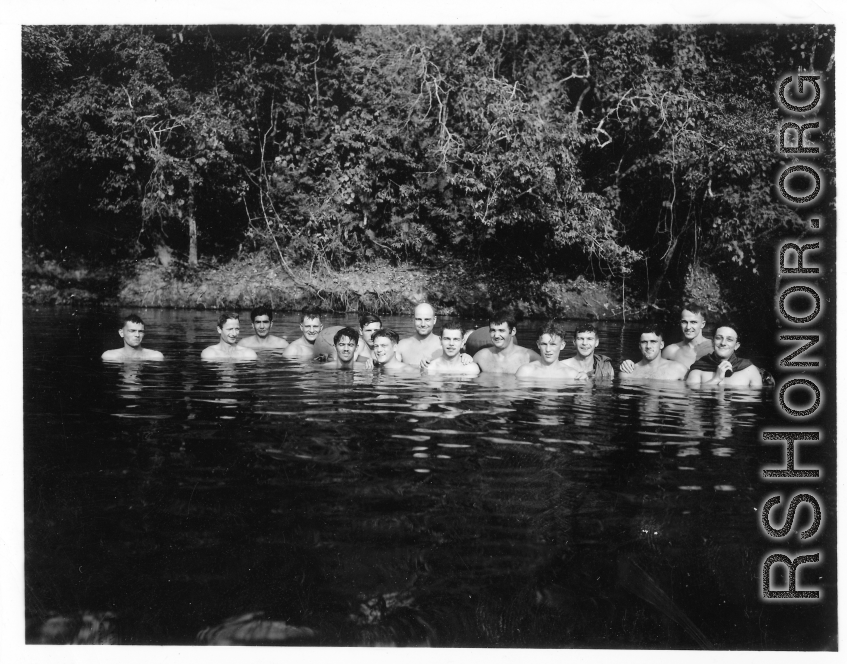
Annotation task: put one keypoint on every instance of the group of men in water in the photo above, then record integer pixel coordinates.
(695, 359)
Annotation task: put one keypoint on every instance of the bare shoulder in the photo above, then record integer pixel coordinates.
(669, 352)
(527, 369)
(209, 352)
(482, 355)
(294, 350)
(112, 355)
(153, 355)
(755, 377)
(247, 354)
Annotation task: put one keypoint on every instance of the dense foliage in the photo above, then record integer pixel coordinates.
(630, 152)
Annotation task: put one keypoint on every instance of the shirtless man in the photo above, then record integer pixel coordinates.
(304, 347)
(368, 324)
(423, 345)
(505, 356)
(227, 348)
(262, 318)
(345, 342)
(452, 340)
(722, 366)
(385, 345)
(652, 365)
(594, 365)
(132, 332)
(551, 342)
(693, 346)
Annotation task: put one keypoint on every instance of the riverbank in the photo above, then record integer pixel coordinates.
(377, 287)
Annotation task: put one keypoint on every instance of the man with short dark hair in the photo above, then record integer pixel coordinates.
(384, 350)
(722, 366)
(550, 342)
(586, 339)
(262, 319)
(505, 356)
(652, 365)
(452, 339)
(132, 332)
(304, 347)
(227, 347)
(345, 342)
(368, 324)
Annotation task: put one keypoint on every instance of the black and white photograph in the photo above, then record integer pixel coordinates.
(454, 330)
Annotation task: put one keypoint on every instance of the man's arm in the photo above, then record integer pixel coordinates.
(755, 376)
(695, 377)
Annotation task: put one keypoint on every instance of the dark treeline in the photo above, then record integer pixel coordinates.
(636, 154)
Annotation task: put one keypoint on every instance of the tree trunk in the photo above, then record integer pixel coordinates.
(656, 287)
(192, 234)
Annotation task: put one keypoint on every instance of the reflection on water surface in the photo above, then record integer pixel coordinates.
(341, 508)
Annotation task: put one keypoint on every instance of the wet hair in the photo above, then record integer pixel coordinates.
(225, 316)
(585, 327)
(551, 327)
(348, 332)
(503, 316)
(261, 310)
(650, 328)
(695, 308)
(388, 333)
(135, 319)
(309, 312)
(453, 324)
(729, 324)
(367, 319)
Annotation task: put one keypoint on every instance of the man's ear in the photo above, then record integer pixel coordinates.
(662, 345)
(121, 332)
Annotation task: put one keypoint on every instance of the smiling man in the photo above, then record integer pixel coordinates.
(423, 344)
(132, 332)
(452, 340)
(385, 345)
(304, 347)
(551, 342)
(722, 366)
(227, 348)
(262, 319)
(345, 343)
(652, 365)
(586, 339)
(505, 356)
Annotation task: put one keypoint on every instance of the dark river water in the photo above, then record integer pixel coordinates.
(362, 509)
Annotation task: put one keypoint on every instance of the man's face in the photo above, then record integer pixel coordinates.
(345, 348)
(311, 328)
(383, 349)
(691, 324)
(451, 343)
(585, 343)
(424, 319)
(549, 347)
(368, 333)
(725, 342)
(262, 325)
(132, 334)
(651, 345)
(501, 335)
(229, 332)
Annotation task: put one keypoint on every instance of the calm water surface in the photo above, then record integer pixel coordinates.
(378, 510)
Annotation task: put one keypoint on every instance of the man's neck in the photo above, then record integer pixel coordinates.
(341, 364)
(456, 359)
(585, 362)
(508, 349)
(129, 350)
(306, 341)
(262, 340)
(226, 347)
(655, 362)
(696, 341)
(422, 338)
